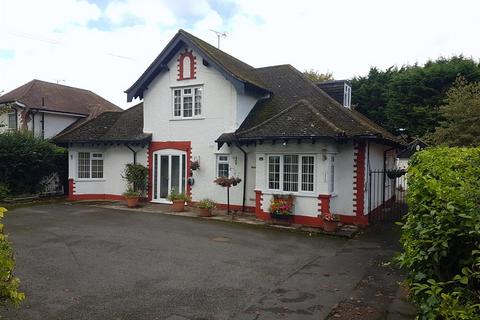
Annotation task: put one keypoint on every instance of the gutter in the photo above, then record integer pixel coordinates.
(244, 175)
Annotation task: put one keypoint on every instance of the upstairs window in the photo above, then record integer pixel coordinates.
(187, 102)
(12, 120)
(90, 165)
(347, 96)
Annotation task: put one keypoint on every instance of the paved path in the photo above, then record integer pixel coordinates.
(81, 262)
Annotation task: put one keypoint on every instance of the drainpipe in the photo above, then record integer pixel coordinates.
(134, 154)
(244, 175)
(43, 125)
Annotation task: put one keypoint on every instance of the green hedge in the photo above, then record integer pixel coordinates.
(441, 233)
(9, 284)
(26, 160)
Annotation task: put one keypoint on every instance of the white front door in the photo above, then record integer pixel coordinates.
(169, 173)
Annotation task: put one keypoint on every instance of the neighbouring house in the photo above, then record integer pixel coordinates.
(272, 127)
(47, 109)
(405, 154)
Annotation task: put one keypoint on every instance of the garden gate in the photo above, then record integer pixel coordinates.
(386, 197)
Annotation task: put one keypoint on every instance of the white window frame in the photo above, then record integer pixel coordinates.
(347, 96)
(299, 174)
(100, 156)
(196, 112)
(222, 161)
(331, 174)
(15, 117)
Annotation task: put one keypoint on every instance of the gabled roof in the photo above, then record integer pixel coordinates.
(298, 108)
(114, 127)
(48, 96)
(239, 73)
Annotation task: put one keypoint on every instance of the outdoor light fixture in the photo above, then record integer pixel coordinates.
(324, 154)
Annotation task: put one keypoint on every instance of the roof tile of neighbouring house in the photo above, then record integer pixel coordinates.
(126, 126)
(298, 108)
(49, 96)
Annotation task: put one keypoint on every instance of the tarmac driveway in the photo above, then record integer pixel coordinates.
(85, 262)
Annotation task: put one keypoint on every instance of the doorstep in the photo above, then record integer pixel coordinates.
(345, 231)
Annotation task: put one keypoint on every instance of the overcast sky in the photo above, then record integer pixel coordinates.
(104, 45)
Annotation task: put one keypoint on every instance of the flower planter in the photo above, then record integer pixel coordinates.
(330, 226)
(282, 218)
(203, 212)
(178, 205)
(132, 202)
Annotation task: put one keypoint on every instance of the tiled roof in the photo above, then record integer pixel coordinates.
(49, 96)
(298, 108)
(121, 127)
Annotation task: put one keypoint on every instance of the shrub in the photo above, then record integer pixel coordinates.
(136, 176)
(25, 161)
(8, 283)
(175, 196)
(206, 204)
(4, 191)
(441, 233)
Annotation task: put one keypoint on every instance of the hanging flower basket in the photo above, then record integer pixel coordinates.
(195, 165)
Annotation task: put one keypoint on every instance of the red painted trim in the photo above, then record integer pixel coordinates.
(259, 213)
(71, 189)
(324, 203)
(96, 197)
(359, 179)
(193, 65)
(161, 145)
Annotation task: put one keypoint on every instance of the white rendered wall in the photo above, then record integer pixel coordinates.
(115, 159)
(342, 199)
(306, 203)
(219, 115)
(53, 123)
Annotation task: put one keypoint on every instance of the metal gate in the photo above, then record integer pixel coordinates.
(387, 190)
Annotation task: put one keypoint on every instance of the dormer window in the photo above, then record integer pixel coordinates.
(186, 65)
(347, 96)
(187, 102)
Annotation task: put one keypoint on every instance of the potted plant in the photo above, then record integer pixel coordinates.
(281, 207)
(206, 206)
(330, 221)
(132, 197)
(178, 200)
(136, 177)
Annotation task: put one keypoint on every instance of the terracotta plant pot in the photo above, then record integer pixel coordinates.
(132, 202)
(330, 226)
(204, 212)
(178, 205)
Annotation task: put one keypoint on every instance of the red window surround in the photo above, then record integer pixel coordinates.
(193, 65)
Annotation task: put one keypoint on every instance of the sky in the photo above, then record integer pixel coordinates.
(105, 45)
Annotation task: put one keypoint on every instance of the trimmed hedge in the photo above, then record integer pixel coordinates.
(441, 233)
(26, 160)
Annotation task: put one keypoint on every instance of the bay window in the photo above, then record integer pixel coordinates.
(187, 102)
(291, 173)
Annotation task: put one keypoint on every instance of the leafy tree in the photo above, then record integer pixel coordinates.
(409, 97)
(26, 160)
(460, 125)
(317, 76)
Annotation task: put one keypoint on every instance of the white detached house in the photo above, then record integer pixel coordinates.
(272, 127)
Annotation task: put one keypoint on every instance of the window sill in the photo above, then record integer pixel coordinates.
(90, 180)
(192, 118)
(295, 194)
